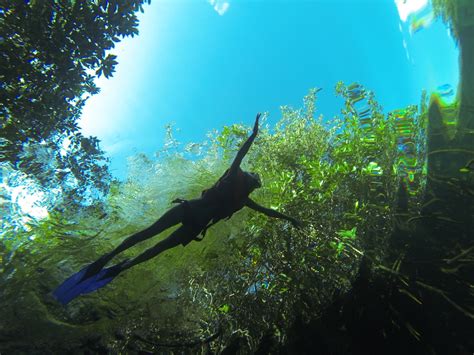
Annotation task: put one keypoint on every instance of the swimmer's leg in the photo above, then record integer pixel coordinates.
(77, 284)
(173, 216)
(180, 236)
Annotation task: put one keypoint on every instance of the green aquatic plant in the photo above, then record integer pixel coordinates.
(342, 180)
(455, 13)
(340, 177)
(447, 10)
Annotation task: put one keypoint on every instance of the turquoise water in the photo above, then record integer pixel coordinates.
(375, 162)
(200, 70)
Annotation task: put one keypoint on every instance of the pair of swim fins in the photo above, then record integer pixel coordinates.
(75, 285)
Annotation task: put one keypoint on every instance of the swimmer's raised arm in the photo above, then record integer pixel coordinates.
(245, 148)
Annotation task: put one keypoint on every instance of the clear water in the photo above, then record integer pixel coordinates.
(382, 183)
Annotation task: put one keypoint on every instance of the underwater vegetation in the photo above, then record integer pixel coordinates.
(384, 262)
(457, 14)
(342, 179)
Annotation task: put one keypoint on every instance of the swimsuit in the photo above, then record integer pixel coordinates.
(227, 196)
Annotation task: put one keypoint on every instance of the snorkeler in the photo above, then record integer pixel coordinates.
(227, 196)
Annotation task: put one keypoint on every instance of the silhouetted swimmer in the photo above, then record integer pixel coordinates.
(227, 196)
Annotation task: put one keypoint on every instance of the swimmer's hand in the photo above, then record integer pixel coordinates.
(296, 223)
(255, 126)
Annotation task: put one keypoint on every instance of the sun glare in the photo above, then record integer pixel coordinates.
(408, 7)
(29, 202)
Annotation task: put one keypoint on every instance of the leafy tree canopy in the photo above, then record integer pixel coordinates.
(50, 53)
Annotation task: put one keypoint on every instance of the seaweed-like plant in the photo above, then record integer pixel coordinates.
(342, 178)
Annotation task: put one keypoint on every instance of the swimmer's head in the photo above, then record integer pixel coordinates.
(253, 180)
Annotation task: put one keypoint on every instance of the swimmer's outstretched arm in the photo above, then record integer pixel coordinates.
(245, 148)
(272, 213)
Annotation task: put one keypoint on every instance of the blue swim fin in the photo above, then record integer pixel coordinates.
(73, 286)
